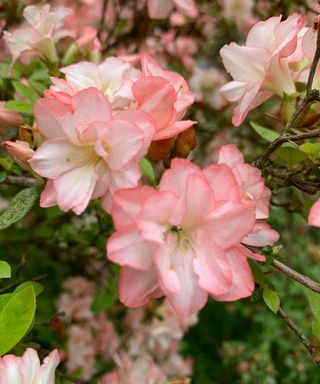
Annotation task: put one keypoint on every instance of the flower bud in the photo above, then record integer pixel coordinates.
(185, 142)
(20, 152)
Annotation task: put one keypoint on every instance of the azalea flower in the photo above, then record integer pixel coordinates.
(261, 67)
(88, 153)
(184, 240)
(114, 78)
(314, 214)
(44, 28)
(164, 95)
(161, 9)
(28, 369)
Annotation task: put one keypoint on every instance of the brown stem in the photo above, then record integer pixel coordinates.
(265, 158)
(23, 181)
(294, 275)
(316, 58)
(295, 330)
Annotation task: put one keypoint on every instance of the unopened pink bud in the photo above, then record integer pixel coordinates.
(20, 152)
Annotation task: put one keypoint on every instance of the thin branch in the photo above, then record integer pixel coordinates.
(23, 181)
(265, 158)
(294, 275)
(311, 96)
(295, 330)
(316, 58)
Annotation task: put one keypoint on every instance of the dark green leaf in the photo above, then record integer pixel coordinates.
(28, 93)
(20, 205)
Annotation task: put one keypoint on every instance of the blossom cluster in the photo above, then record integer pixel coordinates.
(147, 347)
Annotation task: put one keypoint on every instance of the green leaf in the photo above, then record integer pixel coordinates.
(4, 298)
(315, 326)
(37, 287)
(265, 133)
(147, 170)
(19, 106)
(291, 156)
(3, 176)
(26, 92)
(314, 301)
(5, 270)
(271, 298)
(16, 318)
(20, 205)
(257, 273)
(311, 149)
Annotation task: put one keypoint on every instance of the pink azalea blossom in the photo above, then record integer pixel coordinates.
(87, 152)
(205, 83)
(314, 214)
(44, 28)
(142, 371)
(184, 240)
(261, 67)
(164, 95)
(28, 369)
(114, 78)
(161, 9)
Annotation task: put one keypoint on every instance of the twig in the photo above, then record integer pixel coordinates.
(304, 280)
(316, 58)
(294, 329)
(265, 158)
(311, 96)
(19, 281)
(23, 181)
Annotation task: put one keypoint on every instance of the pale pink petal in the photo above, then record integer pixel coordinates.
(120, 143)
(10, 370)
(245, 105)
(262, 33)
(75, 187)
(57, 156)
(30, 365)
(156, 96)
(137, 288)
(159, 9)
(188, 7)
(91, 106)
(163, 259)
(245, 64)
(210, 263)
(229, 154)
(230, 223)
(48, 367)
(190, 298)
(261, 235)
(82, 75)
(234, 90)
(143, 121)
(128, 203)
(48, 196)
(155, 216)
(242, 279)
(49, 115)
(314, 214)
(128, 248)
(173, 129)
(221, 179)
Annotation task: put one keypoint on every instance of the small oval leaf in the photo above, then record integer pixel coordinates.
(271, 298)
